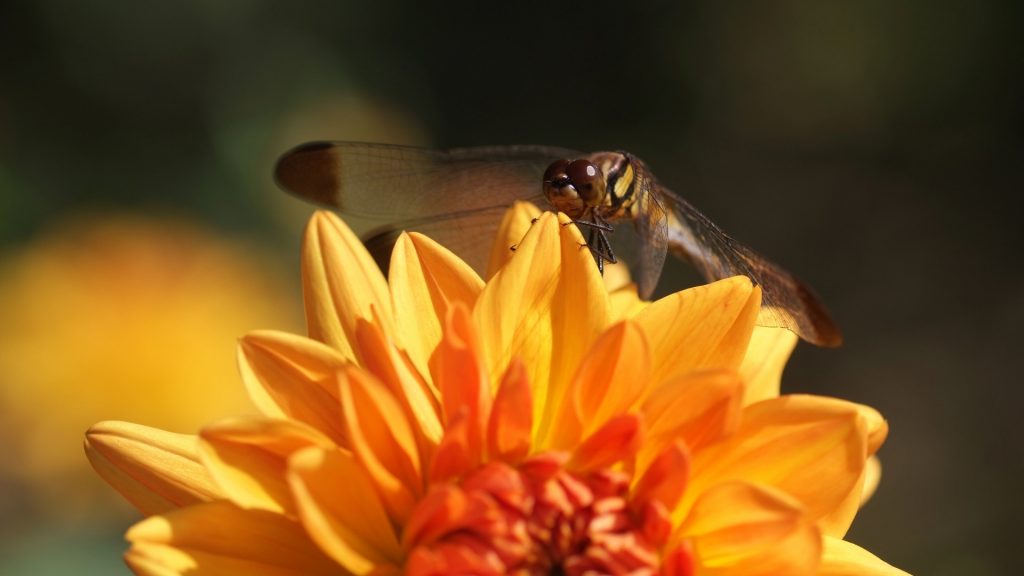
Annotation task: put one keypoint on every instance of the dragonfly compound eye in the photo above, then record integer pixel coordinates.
(555, 174)
(588, 181)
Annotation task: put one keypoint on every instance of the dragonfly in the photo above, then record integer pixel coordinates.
(458, 197)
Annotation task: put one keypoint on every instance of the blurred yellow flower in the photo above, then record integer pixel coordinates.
(123, 316)
(433, 423)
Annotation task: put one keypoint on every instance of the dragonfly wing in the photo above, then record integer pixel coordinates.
(651, 222)
(469, 234)
(786, 301)
(403, 183)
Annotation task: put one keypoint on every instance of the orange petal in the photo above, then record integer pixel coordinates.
(610, 379)
(842, 558)
(704, 327)
(340, 283)
(382, 440)
(220, 538)
(288, 376)
(513, 228)
(766, 357)
(445, 509)
(616, 441)
(381, 358)
(612, 375)
(454, 456)
(678, 561)
(508, 429)
(155, 470)
(741, 529)
(462, 378)
(665, 479)
(248, 456)
(426, 280)
(812, 448)
(698, 408)
(341, 510)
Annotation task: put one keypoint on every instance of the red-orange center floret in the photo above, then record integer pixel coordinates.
(538, 518)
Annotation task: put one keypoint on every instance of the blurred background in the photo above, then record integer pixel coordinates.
(873, 148)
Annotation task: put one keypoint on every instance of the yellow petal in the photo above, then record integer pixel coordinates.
(341, 511)
(838, 521)
(340, 283)
(426, 280)
(616, 278)
(220, 538)
(625, 303)
(704, 327)
(155, 470)
(872, 476)
(766, 357)
(741, 529)
(247, 457)
(288, 376)
(382, 440)
(842, 558)
(513, 228)
(513, 313)
(812, 448)
(580, 313)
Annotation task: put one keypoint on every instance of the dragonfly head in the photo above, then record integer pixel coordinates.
(572, 186)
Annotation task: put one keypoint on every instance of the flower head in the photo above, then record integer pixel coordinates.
(433, 423)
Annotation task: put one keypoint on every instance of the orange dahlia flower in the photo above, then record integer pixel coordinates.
(537, 423)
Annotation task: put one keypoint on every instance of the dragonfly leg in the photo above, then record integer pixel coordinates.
(515, 247)
(598, 256)
(597, 240)
(596, 223)
(605, 247)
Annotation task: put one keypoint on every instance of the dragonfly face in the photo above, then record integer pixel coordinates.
(459, 196)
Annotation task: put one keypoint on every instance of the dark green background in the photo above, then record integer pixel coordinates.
(874, 148)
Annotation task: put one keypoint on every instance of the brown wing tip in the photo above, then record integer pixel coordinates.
(312, 171)
(826, 335)
(818, 328)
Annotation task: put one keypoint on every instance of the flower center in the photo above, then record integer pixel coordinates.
(536, 518)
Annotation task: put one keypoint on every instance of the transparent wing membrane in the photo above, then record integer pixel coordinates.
(786, 301)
